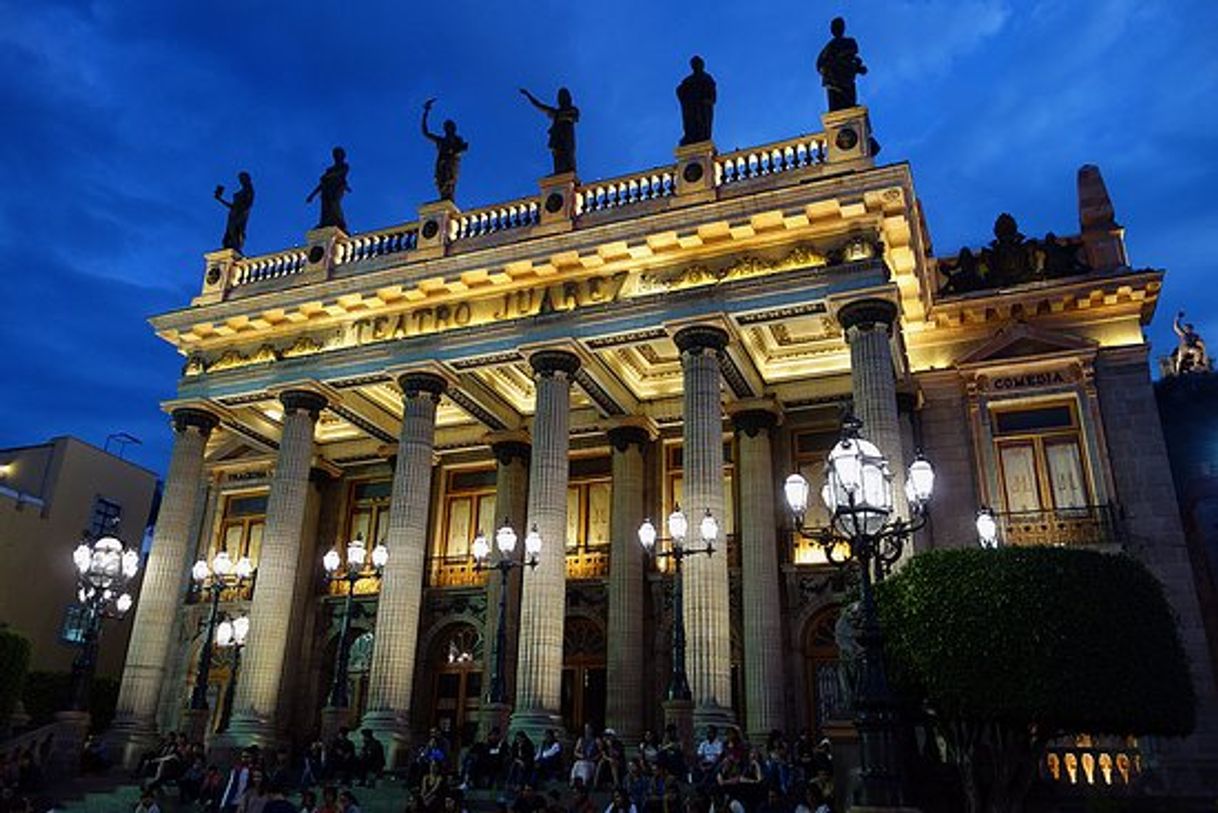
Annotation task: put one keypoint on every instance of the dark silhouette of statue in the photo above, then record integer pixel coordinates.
(1060, 258)
(448, 153)
(697, 96)
(838, 65)
(238, 212)
(562, 128)
(332, 187)
(1190, 355)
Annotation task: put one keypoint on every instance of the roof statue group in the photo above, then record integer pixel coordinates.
(838, 64)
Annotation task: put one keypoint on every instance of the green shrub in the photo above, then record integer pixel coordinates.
(14, 660)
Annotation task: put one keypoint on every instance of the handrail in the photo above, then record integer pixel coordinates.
(380, 243)
(270, 266)
(770, 159)
(625, 190)
(1083, 525)
(497, 218)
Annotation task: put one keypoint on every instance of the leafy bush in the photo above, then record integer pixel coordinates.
(48, 692)
(14, 660)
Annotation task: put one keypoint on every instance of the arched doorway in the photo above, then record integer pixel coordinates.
(456, 666)
(583, 673)
(826, 701)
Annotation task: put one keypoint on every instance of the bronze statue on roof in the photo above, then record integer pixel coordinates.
(697, 96)
(839, 64)
(562, 117)
(238, 212)
(449, 147)
(332, 186)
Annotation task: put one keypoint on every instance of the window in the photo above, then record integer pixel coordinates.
(369, 515)
(469, 507)
(106, 514)
(241, 527)
(75, 619)
(1040, 459)
(811, 450)
(589, 495)
(674, 495)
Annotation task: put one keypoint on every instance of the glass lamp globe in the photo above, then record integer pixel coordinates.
(200, 571)
(123, 604)
(920, 481)
(222, 565)
(82, 557)
(647, 535)
(244, 568)
(709, 528)
(678, 526)
(532, 542)
(505, 539)
(356, 553)
(796, 489)
(224, 633)
(331, 561)
(131, 564)
(380, 556)
(480, 547)
(987, 529)
(241, 628)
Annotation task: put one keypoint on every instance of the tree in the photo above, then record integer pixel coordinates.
(1011, 648)
(14, 660)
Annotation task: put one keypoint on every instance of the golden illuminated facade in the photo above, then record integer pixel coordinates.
(591, 356)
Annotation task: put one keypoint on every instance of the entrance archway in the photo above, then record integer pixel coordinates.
(456, 667)
(583, 673)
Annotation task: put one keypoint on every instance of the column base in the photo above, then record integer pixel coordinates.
(244, 732)
(534, 723)
(129, 739)
(680, 714)
(493, 715)
(194, 723)
(332, 719)
(393, 730)
(713, 714)
(69, 742)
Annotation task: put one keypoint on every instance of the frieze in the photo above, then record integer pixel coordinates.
(698, 274)
(1035, 380)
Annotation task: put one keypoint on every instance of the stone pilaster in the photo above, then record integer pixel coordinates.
(543, 592)
(263, 661)
(868, 323)
(397, 613)
(164, 581)
(512, 451)
(707, 614)
(624, 674)
(763, 671)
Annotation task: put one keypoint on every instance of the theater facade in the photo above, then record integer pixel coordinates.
(596, 354)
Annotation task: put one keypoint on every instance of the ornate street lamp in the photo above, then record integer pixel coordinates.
(678, 529)
(231, 634)
(987, 528)
(505, 542)
(104, 567)
(357, 561)
(862, 530)
(215, 578)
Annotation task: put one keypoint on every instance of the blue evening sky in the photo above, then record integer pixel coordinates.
(120, 118)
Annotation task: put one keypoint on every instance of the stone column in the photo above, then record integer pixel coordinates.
(543, 591)
(624, 674)
(397, 610)
(707, 606)
(763, 672)
(160, 599)
(263, 661)
(511, 450)
(868, 324)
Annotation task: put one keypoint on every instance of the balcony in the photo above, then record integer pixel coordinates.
(1064, 527)
(1093, 763)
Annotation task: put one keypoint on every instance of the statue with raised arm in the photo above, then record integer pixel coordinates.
(838, 65)
(448, 153)
(562, 117)
(332, 186)
(238, 212)
(697, 96)
(1190, 356)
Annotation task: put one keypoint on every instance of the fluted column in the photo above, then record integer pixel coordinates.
(263, 661)
(707, 606)
(164, 580)
(760, 588)
(511, 450)
(543, 591)
(868, 324)
(397, 610)
(624, 673)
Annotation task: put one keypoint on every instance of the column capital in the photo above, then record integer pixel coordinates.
(866, 313)
(754, 416)
(201, 419)
(509, 446)
(417, 383)
(634, 430)
(546, 363)
(698, 339)
(309, 401)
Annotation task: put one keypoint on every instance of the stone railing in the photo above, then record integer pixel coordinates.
(501, 217)
(771, 159)
(1087, 525)
(626, 190)
(376, 244)
(270, 266)
(37, 742)
(454, 571)
(1093, 765)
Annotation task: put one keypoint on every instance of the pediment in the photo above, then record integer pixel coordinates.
(1019, 340)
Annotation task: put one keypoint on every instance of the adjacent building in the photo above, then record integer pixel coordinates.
(599, 353)
(50, 495)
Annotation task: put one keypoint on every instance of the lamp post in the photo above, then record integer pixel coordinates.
(356, 562)
(858, 494)
(678, 528)
(987, 528)
(505, 542)
(231, 634)
(104, 567)
(215, 579)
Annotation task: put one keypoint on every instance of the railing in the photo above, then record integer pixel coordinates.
(1086, 525)
(454, 571)
(771, 159)
(625, 191)
(376, 244)
(588, 564)
(502, 217)
(37, 742)
(1093, 765)
(270, 266)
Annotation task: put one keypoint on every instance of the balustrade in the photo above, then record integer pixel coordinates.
(772, 159)
(376, 244)
(1091, 764)
(269, 266)
(503, 217)
(1085, 525)
(618, 192)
